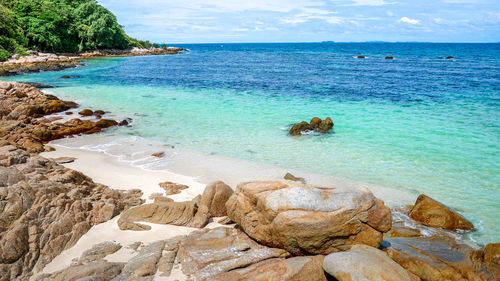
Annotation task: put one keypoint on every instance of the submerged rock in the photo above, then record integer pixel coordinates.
(433, 213)
(316, 124)
(449, 57)
(291, 177)
(436, 259)
(389, 57)
(364, 263)
(307, 219)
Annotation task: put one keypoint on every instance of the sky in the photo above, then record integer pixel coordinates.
(217, 21)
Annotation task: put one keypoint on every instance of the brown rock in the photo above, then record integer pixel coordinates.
(86, 112)
(361, 57)
(215, 197)
(209, 252)
(172, 188)
(400, 230)
(315, 121)
(298, 128)
(158, 154)
(492, 253)
(106, 123)
(437, 258)
(291, 177)
(389, 57)
(64, 160)
(123, 123)
(433, 213)
(293, 269)
(99, 112)
(176, 213)
(101, 270)
(308, 219)
(99, 251)
(68, 113)
(326, 125)
(364, 263)
(225, 220)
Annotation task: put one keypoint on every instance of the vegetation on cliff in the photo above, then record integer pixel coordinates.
(60, 26)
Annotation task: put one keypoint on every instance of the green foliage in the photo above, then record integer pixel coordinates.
(61, 26)
(4, 55)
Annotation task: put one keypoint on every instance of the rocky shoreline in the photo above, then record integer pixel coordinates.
(37, 61)
(267, 230)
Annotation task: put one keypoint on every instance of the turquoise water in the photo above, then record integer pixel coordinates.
(420, 122)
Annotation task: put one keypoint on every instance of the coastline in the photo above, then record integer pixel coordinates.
(103, 169)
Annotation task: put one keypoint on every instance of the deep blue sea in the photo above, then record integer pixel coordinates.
(420, 122)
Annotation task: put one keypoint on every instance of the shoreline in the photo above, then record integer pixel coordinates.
(38, 61)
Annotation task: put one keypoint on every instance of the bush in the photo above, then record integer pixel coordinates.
(4, 55)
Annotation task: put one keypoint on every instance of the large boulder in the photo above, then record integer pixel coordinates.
(364, 263)
(215, 197)
(433, 213)
(307, 219)
(293, 269)
(209, 252)
(315, 125)
(440, 258)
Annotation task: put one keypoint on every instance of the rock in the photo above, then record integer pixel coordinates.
(99, 112)
(65, 77)
(298, 128)
(106, 123)
(215, 197)
(433, 213)
(172, 188)
(492, 253)
(39, 85)
(176, 213)
(400, 230)
(45, 208)
(315, 122)
(86, 112)
(364, 263)
(99, 251)
(361, 57)
(449, 57)
(292, 269)
(389, 57)
(326, 125)
(439, 258)
(225, 220)
(316, 125)
(291, 177)
(143, 264)
(64, 160)
(158, 154)
(307, 219)
(209, 252)
(68, 113)
(123, 123)
(101, 270)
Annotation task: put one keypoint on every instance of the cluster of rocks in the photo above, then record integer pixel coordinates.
(316, 125)
(288, 231)
(45, 208)
(21, 109)
(36, 62)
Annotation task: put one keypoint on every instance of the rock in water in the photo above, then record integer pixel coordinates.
(209, 252)
(433, 213)
(315, 122)
(298, 128)
(389, 57)
(326, 125)
(364, 263)
(307, 219)
(361, 57)
(437, 259)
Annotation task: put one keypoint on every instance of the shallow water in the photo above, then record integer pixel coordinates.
(420, 122)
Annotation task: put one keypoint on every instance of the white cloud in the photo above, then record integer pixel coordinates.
(408, 20)
(389, 13)
(370, 3)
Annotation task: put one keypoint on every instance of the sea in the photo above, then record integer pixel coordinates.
(419, 123)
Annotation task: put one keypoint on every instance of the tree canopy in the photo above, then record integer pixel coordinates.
(60, 26)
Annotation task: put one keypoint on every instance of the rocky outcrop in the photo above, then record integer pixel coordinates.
(440, 258)
(433, 213)
(133, 52)
(209, 252)
(316, 125)
(45, 208)
(389, 57)
(36, 62)
(364, 263)
(195, 213)
(291, 269)
(21, 107)
(307, 219)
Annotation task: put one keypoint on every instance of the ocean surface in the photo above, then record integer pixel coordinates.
(419, 123)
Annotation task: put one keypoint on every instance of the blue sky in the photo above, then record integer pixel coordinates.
(205, 21)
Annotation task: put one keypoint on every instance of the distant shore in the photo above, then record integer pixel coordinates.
(38, 61)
